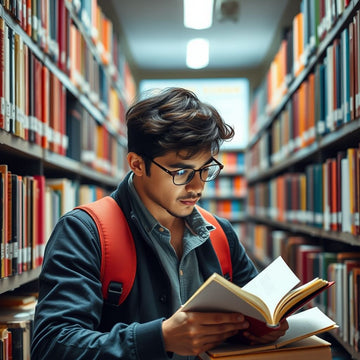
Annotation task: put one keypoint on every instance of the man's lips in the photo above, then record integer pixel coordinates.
(191, 201)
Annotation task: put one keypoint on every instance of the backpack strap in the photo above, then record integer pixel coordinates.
(220, 243)
(118, 260)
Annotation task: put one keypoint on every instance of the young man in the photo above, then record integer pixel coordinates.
(173, 139)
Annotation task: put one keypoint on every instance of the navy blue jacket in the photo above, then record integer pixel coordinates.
(73, 322)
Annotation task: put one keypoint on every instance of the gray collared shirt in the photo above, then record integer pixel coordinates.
(184, 273)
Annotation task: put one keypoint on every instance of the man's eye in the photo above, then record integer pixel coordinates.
(181, 172)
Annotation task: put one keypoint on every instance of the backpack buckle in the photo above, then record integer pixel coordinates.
(114, 292)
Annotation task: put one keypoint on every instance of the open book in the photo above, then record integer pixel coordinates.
(311, 348)
(267, 299)
(301, 325)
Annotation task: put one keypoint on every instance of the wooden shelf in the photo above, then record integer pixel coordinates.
(13, 282)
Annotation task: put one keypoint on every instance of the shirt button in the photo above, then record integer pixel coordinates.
(181, 272)
(161, 229)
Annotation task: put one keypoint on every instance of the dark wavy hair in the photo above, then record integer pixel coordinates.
(174, 119)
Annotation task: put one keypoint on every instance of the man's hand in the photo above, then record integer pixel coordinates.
(190, 333)
(269, 337)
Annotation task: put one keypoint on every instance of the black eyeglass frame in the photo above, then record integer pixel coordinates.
(192, 174)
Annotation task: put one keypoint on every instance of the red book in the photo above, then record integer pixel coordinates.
(45, 88)
(40, 220)
(333, 195)
(27, 93)
(302, 270)
(37, 100)
(29, 17)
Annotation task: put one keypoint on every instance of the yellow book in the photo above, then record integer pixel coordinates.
(311, 348)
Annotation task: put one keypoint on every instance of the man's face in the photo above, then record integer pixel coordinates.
(161, 196)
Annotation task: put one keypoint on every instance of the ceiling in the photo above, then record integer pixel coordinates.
(154, 37)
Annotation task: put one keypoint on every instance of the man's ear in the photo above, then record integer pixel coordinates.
(136, 163)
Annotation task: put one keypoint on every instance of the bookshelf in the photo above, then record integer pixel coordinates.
(302, 160)
(64, 86)
(226, 196)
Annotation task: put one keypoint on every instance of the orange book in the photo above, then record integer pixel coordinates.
(302, 115)
(106, 39)
(298, 43)
(280, 198)
(311, 109)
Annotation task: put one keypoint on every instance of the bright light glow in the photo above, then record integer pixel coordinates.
(198, 14)
(197, 53)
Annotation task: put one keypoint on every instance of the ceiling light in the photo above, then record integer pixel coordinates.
(198, 14)
(197, 53)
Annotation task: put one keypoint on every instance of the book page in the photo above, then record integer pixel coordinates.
(214, 296)
(301, 326)
(273, 283)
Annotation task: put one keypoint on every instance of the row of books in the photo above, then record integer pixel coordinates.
(16, 325)
(92, 143)
(233, 161)
(327, 99)
(99, 29)
(325, 195)
(233, 210)
(47, 23)
(30, 208)
(226, 186)
(308, 259)
(338, 77)
(34, 97)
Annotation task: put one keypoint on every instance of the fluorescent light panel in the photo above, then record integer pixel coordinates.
(198, 14)
(197, 53)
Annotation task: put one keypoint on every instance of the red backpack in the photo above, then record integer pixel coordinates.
(118, 261)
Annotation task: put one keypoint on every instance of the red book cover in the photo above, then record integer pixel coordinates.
(45, 89)
(28, 17)
(333, 195)
(5, 215)
(339, 157)
(301, 260)
(37, 100)
(63, 104)
(26, 93)
(40, 220)
(8, 240)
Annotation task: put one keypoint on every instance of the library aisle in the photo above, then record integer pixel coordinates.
(293, 190)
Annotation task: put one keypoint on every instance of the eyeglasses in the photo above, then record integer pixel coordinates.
(184, 176)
